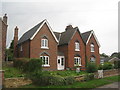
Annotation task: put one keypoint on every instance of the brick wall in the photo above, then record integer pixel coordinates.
(25, 53)
(96, 53)
(36, 50)
(72, 52)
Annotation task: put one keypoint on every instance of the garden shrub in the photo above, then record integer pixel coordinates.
(33, 65)
(28, 65)
(89, 76)
(45, 79)
(20, 62)
(107, 66)
(69, 80)
(116, 64)
(91, 68)
(100, 67)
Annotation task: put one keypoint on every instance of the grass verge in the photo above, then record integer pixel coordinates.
(89, 84)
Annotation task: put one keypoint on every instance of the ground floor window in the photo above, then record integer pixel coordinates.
(77, 61)
(92, 59)
(45, 60)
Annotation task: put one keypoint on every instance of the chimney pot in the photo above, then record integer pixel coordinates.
(69, 27)
(5, 18)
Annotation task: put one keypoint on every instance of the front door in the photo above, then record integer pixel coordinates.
(60, 62)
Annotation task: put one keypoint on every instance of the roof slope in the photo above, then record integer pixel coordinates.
(86, 35)
(65, 37)
(26, 36)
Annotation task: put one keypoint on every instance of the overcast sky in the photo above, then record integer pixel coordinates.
(98, 15)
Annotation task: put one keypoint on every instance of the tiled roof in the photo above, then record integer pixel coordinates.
(85, 36)
(26, 36)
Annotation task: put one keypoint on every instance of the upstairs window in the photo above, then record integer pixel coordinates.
(44, 43)
(77, 46)
(45, 60)
(92, 47)
(77, 61)
(92, 59)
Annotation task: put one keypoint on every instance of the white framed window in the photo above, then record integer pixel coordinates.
(44, 43)
(77, 61)
(92, 47)
(45, 61)
(77, 46)
(21, 48)
(92, 59)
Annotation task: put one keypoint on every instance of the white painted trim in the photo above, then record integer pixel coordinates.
(92, 32)
(45, 21)
(72, 36)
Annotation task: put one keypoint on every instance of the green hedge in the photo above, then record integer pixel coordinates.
(28, 65)
(116, 64)
(89, 76)
(45, 79)
(91, 67)
(105, 66)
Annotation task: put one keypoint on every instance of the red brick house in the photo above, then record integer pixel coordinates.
(3, 35)
(58, 51)
(91, 46)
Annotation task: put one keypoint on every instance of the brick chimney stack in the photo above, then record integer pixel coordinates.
(15, 41)
(5, 19)
(69, 27)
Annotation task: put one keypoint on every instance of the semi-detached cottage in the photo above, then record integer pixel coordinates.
(58, 50)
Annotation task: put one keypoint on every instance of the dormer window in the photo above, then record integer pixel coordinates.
(92, 47)
(77, 46)
(44, 43)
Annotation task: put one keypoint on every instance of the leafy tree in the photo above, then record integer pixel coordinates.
(104, 55)
(9, 51)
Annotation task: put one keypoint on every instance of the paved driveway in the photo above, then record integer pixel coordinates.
(113, 86)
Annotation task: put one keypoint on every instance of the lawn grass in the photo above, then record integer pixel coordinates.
(11, 72)
(88, 84)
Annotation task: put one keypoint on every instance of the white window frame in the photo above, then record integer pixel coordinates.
(77, 46)
(92, 48)
(93, 59)
(44, 43)
(21, 48)
(78, 60)
(45, 65)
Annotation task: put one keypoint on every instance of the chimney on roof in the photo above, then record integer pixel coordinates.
(15, 41)
(69, 27)
(5, 19)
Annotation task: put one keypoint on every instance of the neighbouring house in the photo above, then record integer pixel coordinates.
(113, 59)
(91, 46)
(58, 50)
(3, 35)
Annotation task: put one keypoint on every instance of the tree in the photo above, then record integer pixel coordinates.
(9, 51)
(104, 55)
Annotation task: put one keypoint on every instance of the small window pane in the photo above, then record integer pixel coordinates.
(62, 61)
(59, 61)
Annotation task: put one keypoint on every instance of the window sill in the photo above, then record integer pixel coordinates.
(44, 48)
(77, 50)
(92, 51)
(45, 65)
(77, 65)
